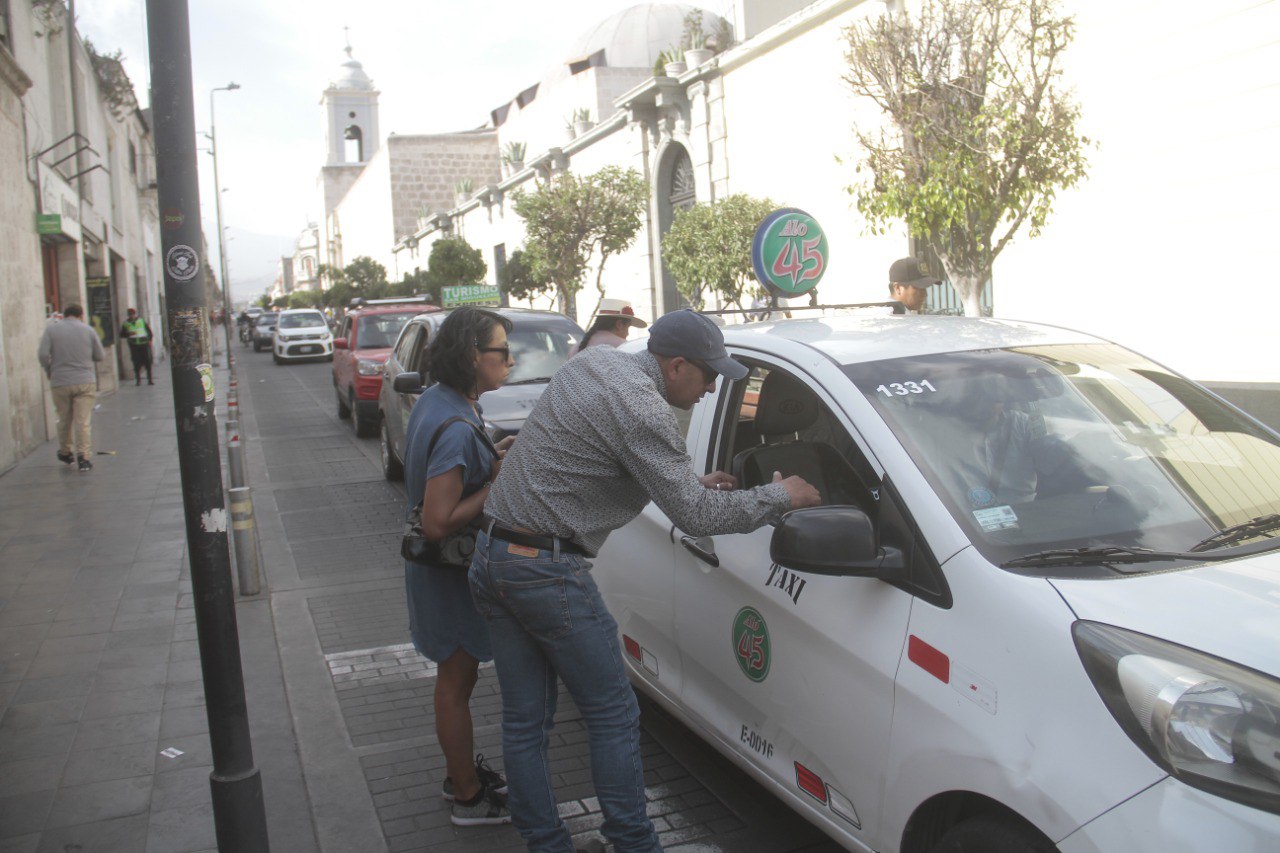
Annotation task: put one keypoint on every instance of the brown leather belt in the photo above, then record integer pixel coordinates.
(498, 530)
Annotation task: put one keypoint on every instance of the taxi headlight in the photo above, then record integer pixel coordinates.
(368, 368)
(1210, 723)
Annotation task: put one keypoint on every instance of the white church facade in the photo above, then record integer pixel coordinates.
(1181, 180)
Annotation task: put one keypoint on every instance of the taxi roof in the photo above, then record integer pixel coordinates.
(852, 339)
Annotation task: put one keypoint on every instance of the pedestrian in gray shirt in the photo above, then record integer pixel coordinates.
(599, 445)
(68, 352)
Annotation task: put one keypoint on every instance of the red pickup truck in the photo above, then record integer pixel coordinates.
(360, 351)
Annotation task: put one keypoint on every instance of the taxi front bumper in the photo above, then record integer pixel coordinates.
(1170, 817)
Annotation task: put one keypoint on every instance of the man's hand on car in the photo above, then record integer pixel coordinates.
(801, 493)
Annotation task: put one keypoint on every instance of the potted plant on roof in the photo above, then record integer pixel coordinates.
(675, 61)
(513, 156)
(462, 191)
(581, 121)
(696, 51)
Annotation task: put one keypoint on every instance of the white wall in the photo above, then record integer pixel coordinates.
(1166, 247)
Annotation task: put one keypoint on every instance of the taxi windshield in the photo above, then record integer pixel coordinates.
(1075, 446)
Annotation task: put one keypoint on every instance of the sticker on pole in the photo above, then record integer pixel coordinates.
(181, 263)
(751, 643)
(789, 252)
(206, 380)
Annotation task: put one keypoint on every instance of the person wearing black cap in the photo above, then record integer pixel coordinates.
(599, 445)
(909, 283)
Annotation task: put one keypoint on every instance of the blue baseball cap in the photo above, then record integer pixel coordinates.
(688, 334)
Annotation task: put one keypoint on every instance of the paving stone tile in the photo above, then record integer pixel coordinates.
(113, 731)
(28, 775)
(181, 830)
(81, 627)
(50, 665)
(97, 801)
(112, 762)
(127, 678)
(50, 712)
(182, 788)
(196, 752)
(21, 844)
(135, 656)
(122, 834)
(113, 703)
(180, 722)
(158, 635)
(183, 694)
(57, 687)
(24, 813)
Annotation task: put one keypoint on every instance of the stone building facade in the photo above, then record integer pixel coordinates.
(78, 211)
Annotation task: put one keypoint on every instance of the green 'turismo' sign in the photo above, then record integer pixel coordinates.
(48, 223)
(468, 294)
(789, 252)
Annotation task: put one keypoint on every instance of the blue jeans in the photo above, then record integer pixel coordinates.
(547, 619)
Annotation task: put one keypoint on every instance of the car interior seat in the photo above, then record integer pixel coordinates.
(787, 407)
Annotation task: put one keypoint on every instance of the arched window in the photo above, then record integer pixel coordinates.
(354, 149)
(676, 191)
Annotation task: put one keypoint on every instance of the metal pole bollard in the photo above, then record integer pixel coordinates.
(244, 532)
(235, 455)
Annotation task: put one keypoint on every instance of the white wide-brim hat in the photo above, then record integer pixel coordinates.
(619, 309)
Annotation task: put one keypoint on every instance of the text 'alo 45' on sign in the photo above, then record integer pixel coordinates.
(789, 252)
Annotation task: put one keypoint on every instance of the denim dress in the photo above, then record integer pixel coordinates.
(442, 616)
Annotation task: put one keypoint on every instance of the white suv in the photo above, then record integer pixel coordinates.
(300, 334)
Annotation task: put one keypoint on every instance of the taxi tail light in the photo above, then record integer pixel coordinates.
(633, 648)
(811, 783)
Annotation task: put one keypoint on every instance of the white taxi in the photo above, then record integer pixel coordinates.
(1039, 610)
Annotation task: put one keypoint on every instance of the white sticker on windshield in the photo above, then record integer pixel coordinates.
(996, 517)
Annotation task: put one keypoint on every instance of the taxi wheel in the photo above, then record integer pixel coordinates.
(986, 834)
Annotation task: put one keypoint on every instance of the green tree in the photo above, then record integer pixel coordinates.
(567, 218)
(982, 133)
(453, 261)
(708, 248)
(304, 299)
(619, 201)
(264, 301)
(517, 281)
(280, 302)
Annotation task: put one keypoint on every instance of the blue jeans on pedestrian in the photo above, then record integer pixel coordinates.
(546, 619)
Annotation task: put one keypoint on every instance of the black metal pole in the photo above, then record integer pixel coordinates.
(239, 815)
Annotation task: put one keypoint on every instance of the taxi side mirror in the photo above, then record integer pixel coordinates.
(832, 540)
(339, 343)
(407, 383)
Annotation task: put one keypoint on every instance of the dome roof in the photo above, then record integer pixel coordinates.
(633, 37)
(351, 75)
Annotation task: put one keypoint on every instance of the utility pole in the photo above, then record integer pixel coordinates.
(217, 206)
(239, 814)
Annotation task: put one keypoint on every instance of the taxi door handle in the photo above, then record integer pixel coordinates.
(702, 547)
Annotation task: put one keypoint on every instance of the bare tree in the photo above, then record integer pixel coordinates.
(982, 133)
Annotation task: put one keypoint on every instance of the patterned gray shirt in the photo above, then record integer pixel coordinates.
(599, 445)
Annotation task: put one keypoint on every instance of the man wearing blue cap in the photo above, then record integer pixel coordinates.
(599, 445)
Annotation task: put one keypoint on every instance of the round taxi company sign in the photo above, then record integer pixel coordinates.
(789, 252)
(751, 643)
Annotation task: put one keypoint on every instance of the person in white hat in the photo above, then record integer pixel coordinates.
(611, 325)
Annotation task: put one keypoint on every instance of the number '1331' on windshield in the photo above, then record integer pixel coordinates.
(902, 389)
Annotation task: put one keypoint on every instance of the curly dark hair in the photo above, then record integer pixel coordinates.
(451, 353)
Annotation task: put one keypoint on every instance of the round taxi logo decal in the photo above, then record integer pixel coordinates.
(751, 643)
(789, 252)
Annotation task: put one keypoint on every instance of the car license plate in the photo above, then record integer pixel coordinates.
(309, 348)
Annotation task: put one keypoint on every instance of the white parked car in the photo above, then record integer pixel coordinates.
(1040, 610)
(302, 333)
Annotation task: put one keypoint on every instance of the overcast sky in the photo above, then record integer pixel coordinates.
(439, 67)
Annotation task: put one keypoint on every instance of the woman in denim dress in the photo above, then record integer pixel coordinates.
(468, 357)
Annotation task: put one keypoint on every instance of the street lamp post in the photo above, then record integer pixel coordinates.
(222, 243)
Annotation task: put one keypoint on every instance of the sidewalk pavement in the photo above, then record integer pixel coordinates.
(104, 739)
